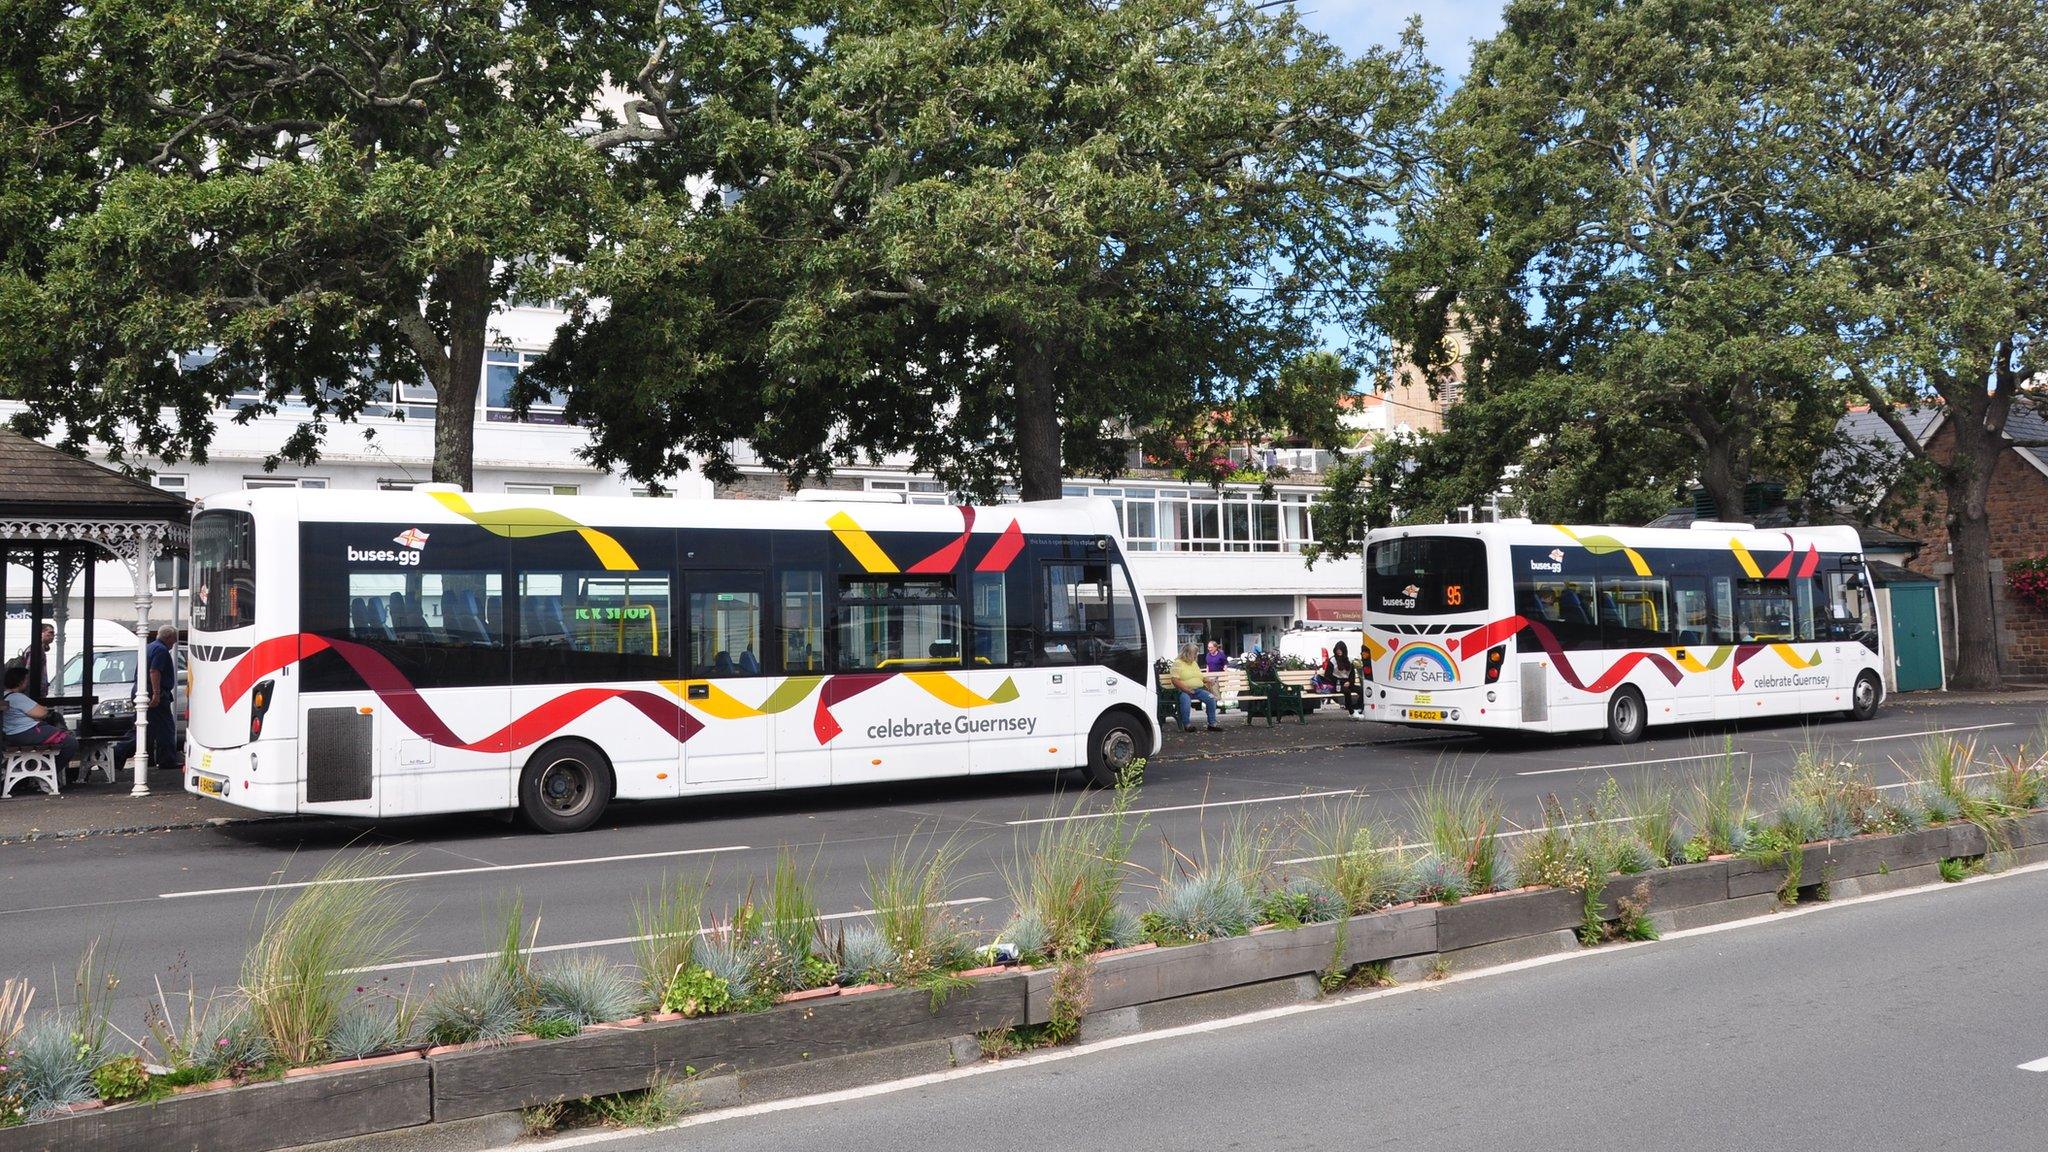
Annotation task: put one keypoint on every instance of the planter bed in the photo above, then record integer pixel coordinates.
(305, 1109)
(481, 1081)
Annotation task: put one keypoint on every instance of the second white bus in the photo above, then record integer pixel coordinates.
(1565, 628)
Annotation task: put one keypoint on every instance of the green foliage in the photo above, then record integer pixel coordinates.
(1352, 856)
(478, 1005)
(296, 976)
(1605, 261)
(364, 1031)
(1055, 225)
(54, 1066)
(1461, 819)
(554, 1028)
(1716, 804)
(327, 198)
(697, 992)
(1955, 869)
(911, 893)
(734, 957)
(1203, 906)
(122, 1078)
(787, 931)
(210, 1037)
(1065, 884)
(1434, 878)
(585, 990)
(650, 1107)
(1304, 900)
(665, 920)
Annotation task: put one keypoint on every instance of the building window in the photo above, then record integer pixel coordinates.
(502, 367)
(251, 483)
(172, 481)
(541, 489)
(913, 491)
(1202, 519)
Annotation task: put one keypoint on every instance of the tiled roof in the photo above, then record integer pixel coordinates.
(37, 480)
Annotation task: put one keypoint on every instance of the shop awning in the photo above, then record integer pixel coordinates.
(1335, 610)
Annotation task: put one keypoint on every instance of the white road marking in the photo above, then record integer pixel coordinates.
(1335, 1003)
(1630, 764)
(1930, 732)
(464, 959)
(453, 872)
(2040, 1065)
(1187, 807)
(1497, 836)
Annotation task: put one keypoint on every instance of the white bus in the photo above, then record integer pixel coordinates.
(390, 654)
(1557, 628)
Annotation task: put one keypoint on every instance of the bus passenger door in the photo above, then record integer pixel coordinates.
(1696, 627)
(723, 686)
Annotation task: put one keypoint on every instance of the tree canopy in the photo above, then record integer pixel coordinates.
(1613, 235)
(1004, 239)
(294, 201)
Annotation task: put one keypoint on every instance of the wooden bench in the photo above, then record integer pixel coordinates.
(1301, 680)
(1233, 694)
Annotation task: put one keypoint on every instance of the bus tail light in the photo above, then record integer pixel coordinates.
(259, 703)
(1496, 658)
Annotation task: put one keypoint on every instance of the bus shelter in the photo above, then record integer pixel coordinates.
(60, 517)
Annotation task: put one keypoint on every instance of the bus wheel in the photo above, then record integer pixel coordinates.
(565, 787)
(1867, 696)
(1112, 747)
(1626, 717)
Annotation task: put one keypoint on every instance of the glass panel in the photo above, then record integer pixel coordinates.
(593, 625)
(725, 624)
(992, 640)
(1427, 575)
(803, 621)
(1635, 612)
(898, 635)
(1763, 611)
(223, 571)
(1266, 523)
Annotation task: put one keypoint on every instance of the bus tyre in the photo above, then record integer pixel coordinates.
(1112, 746)
(1869, 693)
(1626, 717)
(565, 787)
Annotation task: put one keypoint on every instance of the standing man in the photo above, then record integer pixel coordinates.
(163, 682)
(36, 660)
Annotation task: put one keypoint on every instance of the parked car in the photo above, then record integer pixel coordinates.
(113, 680)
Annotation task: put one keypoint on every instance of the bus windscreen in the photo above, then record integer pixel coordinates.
(1426, 576)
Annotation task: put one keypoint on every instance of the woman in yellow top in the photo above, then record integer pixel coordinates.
(1187, 677)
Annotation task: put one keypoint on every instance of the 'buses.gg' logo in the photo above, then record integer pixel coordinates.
(1419, 663)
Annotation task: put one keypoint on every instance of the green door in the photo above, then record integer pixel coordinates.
(1916, 642)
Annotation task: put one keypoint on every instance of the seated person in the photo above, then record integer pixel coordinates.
(27, 724)
(1191, 686)
(1325, 679)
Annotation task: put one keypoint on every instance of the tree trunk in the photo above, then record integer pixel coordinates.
(1039, 470)
(1719, 476)
(1967, 486)
(466, 290)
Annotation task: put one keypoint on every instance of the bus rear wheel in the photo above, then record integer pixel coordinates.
(1626, 717)
(565, 787)
(1868, 694)
(1112, 747)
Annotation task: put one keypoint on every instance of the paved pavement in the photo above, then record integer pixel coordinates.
(1892, 1024)
(181, 904)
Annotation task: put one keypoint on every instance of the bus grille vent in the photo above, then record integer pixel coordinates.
(1535, 691)
(338, 750)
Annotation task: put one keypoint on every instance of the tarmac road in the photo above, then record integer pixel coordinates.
(179, 906)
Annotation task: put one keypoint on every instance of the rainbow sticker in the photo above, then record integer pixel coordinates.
(1418, 663)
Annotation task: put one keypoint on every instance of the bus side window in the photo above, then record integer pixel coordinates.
(725, 623)
(803, 620)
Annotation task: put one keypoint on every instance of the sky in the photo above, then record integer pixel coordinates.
(1448, 26)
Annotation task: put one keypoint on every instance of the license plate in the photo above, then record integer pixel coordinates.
(1424, 698)
(211, 786)
(1425, 714)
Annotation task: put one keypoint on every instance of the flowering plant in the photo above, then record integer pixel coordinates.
(2029, 581)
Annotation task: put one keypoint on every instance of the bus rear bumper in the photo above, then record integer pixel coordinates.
(1464, 708)
(262, 776)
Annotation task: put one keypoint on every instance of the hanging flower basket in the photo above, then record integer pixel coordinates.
(2029, 581)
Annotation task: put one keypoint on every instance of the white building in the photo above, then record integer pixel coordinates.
(1223, 563)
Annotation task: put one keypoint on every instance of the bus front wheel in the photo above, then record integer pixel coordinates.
(1112, 746)
(1868, 695)
(1626, 717)
(565, 787)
